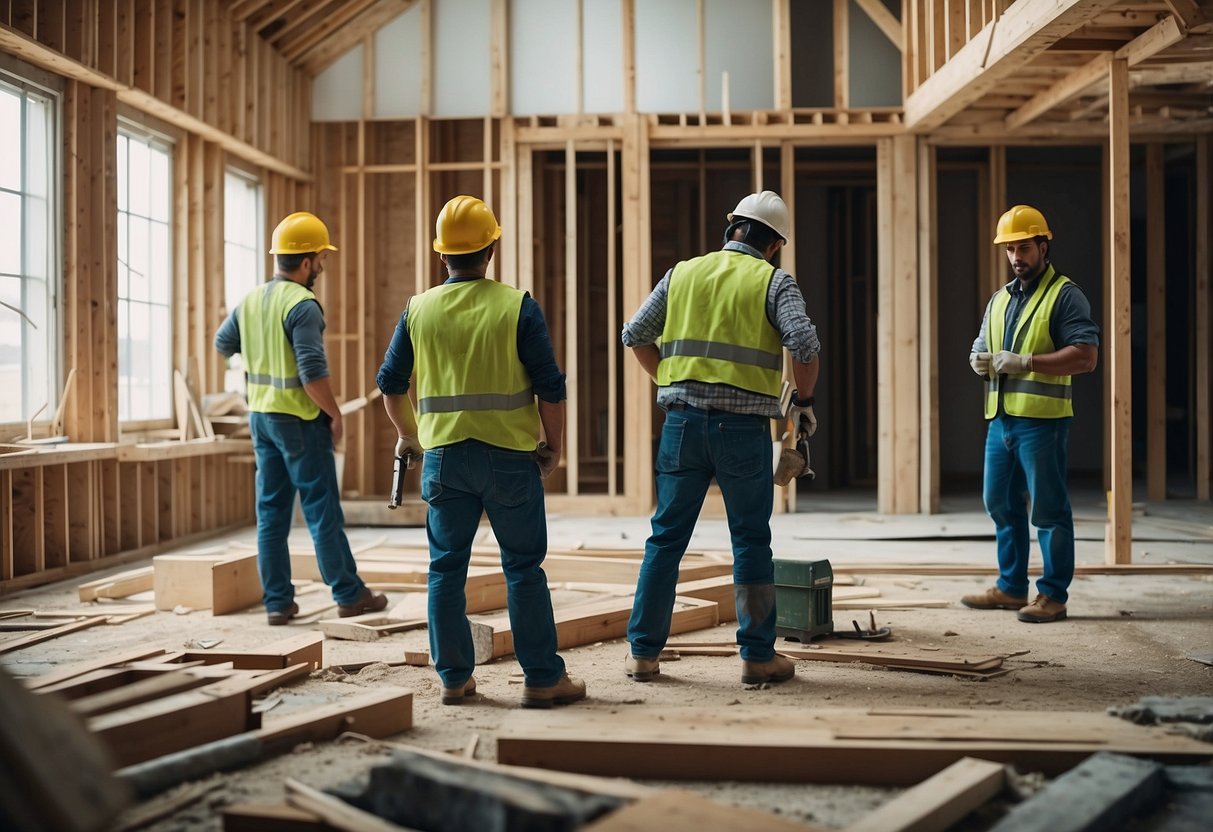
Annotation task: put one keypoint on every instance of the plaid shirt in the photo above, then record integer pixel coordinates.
(785, 311)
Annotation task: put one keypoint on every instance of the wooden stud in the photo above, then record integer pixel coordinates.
(612, 324)
(1156, 331)
(499, 59)
(928, 328)
(1118, 548)
(842, 56)
(781, 16)
(628, 38)
(572, 449)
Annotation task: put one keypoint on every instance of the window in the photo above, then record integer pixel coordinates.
(29, 252)
(145, 345)
(243, 252)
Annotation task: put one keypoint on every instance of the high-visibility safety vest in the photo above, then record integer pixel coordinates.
(471, 383)
(1039, 395)
(269, 359)
(716, 327)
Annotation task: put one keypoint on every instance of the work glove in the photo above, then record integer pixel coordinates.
(800, 411)
(980, 362)
(408, 446)
(1011, 363)
(546, 459)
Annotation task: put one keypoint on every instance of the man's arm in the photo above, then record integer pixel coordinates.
(641, 333)
(400, 411)
(1067, 361)
(805, 376)
(551, 416)
(649, 357)
(322, 394)
(227, 338)
(305, 330)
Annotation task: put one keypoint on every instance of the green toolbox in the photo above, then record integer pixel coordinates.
(802, 599)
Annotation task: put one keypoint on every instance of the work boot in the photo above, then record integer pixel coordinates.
(366, 601)
(564, 692)
(778, 669)
(456, 695)
(993, 599)
(1043, 610)
(276, 618)
(640, 668)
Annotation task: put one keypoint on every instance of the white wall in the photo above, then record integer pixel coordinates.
(337, 92)
(462, 70)
(398, 67)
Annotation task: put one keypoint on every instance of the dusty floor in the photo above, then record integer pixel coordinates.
(1127, 637)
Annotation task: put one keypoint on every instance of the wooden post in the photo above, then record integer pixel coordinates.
(996, 274)
(928, 328)
(1118, 543)
(1156, 334)
(572, 308)
(842, 56)
(637, 283)
(781, 16)
(612, 321)
(628, 37)
(785, 498)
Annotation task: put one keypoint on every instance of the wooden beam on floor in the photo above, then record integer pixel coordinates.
(938, 802)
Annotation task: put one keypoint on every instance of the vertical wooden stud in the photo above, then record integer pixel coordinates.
(571, 305)
(842, 55)
(1118, 543)
(928, 328)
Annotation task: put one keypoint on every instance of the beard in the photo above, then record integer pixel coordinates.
(311, 278)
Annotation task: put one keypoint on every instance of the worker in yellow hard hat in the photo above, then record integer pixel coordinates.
(723, 320)
(486, 380)
(278, 330)
(1036, 335)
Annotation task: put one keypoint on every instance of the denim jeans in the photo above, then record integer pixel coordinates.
(1028, 456)
(461, 482)
(697, 445)
(297, 455)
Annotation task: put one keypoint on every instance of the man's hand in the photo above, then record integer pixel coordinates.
(547, 459)
(980, 362)
(801, 413)
(1011, 363)
(408, 446)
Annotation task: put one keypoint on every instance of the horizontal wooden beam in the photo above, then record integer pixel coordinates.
(1004, 45)
(42, 56)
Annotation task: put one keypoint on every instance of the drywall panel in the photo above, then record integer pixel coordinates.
(738, 40)
(543, 57)
(875, 65)
(462, 72)
(602, 29)
(398, 67)
(337, 92)
(667, 56)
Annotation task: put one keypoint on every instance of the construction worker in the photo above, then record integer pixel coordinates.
(723, 320)
(1036, 334)
(481, 354)
(278, 330)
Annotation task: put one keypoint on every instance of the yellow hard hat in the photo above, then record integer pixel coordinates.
(1021, 222)
(301, 233)
(465, 225)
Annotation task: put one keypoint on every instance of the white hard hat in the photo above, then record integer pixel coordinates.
(768, 208)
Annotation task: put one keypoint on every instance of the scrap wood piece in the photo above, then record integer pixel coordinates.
(222, 583)
(19, 625)
(675, 810)
(335, 811)
(369, 627)
(121, 585)
(104, 610)
(145, 814)
(795, 744)
(939, 801)
(887, 604)
(15, 613)
(78, 669)
(141, 690)
(307, 648)
(842, 650)
(40, 636)
(379, 713)
(587, 623)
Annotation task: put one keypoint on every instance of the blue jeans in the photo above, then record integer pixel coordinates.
(461, 482)
(1028, 456)
(697, 445)
(297, 455)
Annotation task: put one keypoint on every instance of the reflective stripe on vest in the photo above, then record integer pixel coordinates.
(722, 294)
(1038, 395)
(274, 385)
(471, 384)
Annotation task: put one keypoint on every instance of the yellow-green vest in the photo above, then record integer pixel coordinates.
(1039, 395)
(471, 384)
(723, 295)
(269, 359)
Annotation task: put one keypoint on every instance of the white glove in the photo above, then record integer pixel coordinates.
(546, 459)
(1011, 362)
(802, 416)
(409, 446)
(980, 362)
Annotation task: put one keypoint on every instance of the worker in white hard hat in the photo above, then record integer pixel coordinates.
(1037, 333)
(723, 320)
(278, 328)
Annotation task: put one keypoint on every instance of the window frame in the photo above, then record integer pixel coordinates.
(30, 79)
(137, 128)
(259, 247)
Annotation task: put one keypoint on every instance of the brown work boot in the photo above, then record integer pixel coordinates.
(993, 599)
(641, 669)
(778, 669)
(276, 618)
(366, 601)
(456, 695)
(1043, 610)
(564, 692)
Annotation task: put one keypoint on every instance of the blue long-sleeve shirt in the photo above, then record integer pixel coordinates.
(1070, 322)
(303, 329)
(534, 349)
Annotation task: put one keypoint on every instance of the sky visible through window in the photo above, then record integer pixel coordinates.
(243, 253)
